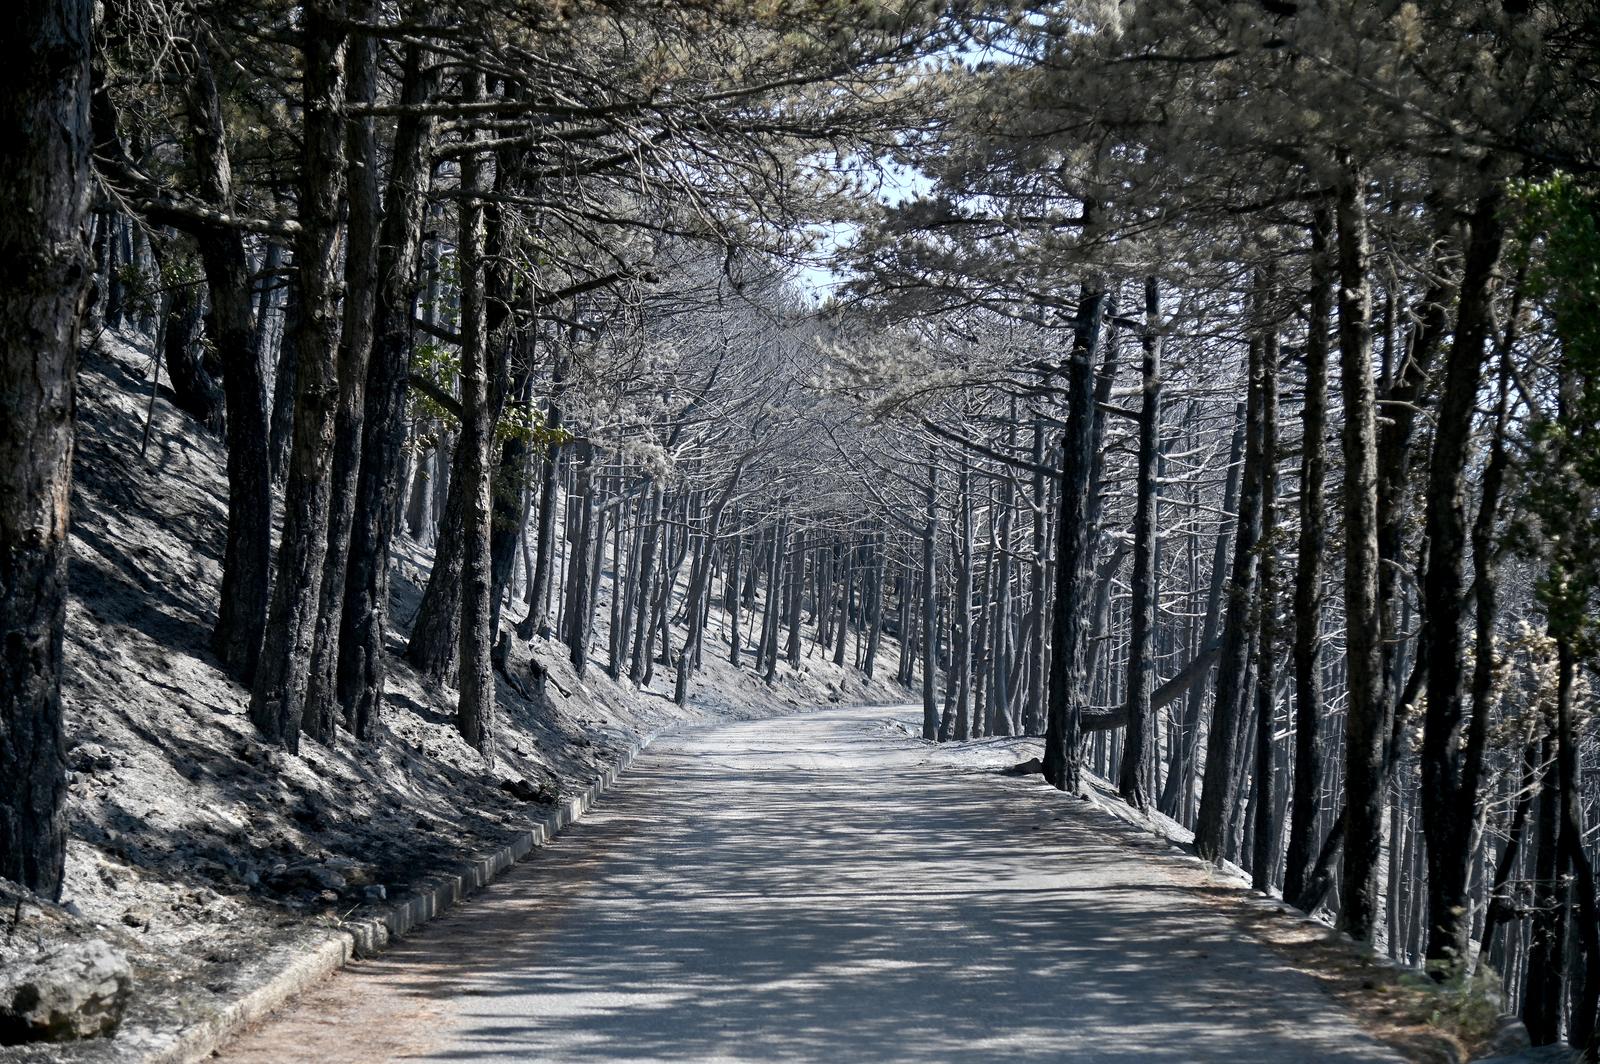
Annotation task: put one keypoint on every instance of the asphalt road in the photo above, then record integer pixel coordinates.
(822, 888)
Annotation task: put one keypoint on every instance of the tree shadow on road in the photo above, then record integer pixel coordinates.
(850, 908)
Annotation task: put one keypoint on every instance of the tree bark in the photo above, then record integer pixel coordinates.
(582, 548)
(1266, 826)
(365, 614)
(930, 609)
(1366, 713)
(1219, 788)
(549, 489)
(1066, 686)
(475, 706)
(323, 711)
(1451, 769)
(247, 557)
(1586, 992)
(1139, 746)
(278, 699)
(1309, 703)
(45, 260)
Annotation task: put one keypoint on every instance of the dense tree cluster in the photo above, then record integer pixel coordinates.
(1218, 399)
(1271, 324)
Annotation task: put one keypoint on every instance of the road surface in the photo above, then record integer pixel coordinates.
(822, 888)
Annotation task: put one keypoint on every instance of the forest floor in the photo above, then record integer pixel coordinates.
(212, 859)
(827, 887)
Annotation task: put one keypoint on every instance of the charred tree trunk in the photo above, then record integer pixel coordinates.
(365, 613)
(1309, 703)
(582, 548)
(475, 707)
(1067, 659)
(1266, 825)
(1139, 746)
(193, 389)
(1219, 790)
(323, 711)
(280, 425)
(44, 252)
(1451, 769)
(1542, 1001)
(647, 566)
(930, 608)
(278, 699)
(1366, 715)
(247, 557)
(549, 489)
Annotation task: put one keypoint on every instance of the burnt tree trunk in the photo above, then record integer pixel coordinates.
(247, 556)
(475, 705)
(278, 699)
(1066, 686)
(364, 617)
(1366, 714)
(323, 711)
(1139, 746)
(549, 488)
(1265, 825)
(44, 253)
(1450, 768)
(1309, 702)
(1219, 789)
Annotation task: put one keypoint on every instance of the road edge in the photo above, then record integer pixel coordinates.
(371, 935)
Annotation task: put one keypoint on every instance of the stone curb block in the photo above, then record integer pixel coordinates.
(365, 937)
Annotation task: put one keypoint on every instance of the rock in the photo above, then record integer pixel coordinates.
(137, 917)
(1030, 767)
(91, 758)
(306, 875)
(1510, 1036)
(524, 791)
(311, 814)
(375, 893)
(353, 871)
(77, 991)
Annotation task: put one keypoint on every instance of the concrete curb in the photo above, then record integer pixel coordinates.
(370, 935)
(311, 963)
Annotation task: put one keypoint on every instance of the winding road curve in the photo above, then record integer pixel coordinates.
(822, 888)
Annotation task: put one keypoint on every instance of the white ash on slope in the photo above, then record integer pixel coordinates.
(208, 856)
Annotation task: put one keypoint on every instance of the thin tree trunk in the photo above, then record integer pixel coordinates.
(1066, 687)
(282, 677)
(364, 617)
(1586, 991)
(549, 489)
(1309, 702)
(1266, 826)
(475, 707)
(652, 533)
(1219, 788)
(930, 610)
(1141, 665)
(578, 612)
(355, 349)
(247, 556)
(1450, 769)
(1366, 712)
(1542, 1001)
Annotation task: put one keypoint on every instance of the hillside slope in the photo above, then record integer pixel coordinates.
(198, 849)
